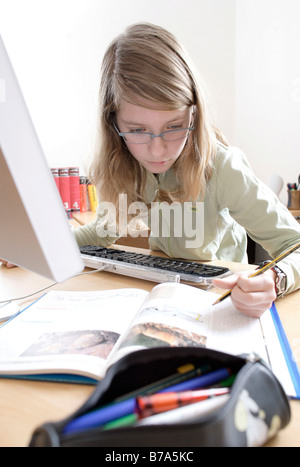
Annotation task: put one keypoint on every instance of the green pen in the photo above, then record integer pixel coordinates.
(122, 421)
(227, 383)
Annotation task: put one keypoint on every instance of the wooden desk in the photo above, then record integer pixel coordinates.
(295, 212)
(24, 405)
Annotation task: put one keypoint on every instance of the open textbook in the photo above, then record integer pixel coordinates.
(76, 336)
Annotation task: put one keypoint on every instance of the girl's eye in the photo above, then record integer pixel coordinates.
(137, 130)
(175, 127)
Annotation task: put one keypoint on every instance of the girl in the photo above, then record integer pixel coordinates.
(157, 143)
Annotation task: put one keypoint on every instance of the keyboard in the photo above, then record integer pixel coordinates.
(148, 267)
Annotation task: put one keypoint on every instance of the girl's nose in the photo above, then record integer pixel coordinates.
(157, 146)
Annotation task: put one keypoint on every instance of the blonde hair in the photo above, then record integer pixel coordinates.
(147, 62)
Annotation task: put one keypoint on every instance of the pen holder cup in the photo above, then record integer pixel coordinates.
(293, 199)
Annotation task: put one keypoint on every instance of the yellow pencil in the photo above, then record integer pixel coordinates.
(263, 269)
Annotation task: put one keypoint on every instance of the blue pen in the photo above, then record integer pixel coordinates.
(200, 381)
(113, 411)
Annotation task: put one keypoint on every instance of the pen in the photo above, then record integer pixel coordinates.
(262, 270)
(131, 419)
(120, 422)
(226, 383)
(200, 381)
(181, 375)
(185, 414)
(162, 402)
(113, 411)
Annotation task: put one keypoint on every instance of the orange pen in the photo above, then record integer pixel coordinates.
(162, 402)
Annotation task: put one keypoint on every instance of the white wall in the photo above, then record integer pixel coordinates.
(246, 50)
(267, 115)
(57, 46)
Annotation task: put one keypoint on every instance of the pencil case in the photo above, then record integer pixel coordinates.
(255, 410)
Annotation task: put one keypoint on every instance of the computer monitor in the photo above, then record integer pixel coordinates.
(34, 232)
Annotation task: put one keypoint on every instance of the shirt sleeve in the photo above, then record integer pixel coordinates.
(100, 232)
(257, 208)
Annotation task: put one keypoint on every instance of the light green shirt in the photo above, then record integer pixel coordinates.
(235, 203)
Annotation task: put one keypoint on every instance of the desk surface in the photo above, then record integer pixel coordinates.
(24, 405)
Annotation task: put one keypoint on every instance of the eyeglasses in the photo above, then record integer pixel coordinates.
(144, 138)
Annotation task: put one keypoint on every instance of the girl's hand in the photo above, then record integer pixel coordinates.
(250, 295)
(7, 264)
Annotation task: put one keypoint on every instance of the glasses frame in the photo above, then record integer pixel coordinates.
(152, 135)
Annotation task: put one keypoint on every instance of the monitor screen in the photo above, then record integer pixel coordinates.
(34, 233)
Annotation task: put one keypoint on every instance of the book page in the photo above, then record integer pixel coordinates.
(67, 332)
(234, 332)
(181, 315)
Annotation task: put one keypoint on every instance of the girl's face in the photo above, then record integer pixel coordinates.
(157, 155)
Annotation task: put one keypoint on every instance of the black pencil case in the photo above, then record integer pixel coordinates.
(256, 410)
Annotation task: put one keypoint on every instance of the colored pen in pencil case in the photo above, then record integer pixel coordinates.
(187, 413)
(157, 403)
(113, 411)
